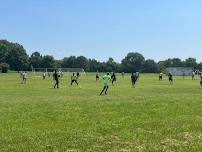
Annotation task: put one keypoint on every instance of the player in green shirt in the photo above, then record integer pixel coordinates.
(106, 79)
(74, 78)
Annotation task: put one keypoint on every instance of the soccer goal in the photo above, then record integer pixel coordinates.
(72, 70)
(179, 71)
(40, 71)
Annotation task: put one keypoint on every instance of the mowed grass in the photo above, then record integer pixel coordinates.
(154, 116)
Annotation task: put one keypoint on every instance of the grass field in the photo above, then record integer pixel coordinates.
(154, 116)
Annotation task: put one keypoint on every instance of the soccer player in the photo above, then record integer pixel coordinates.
(170, 78)
(56, 78)
(49, 74)
(113, 78)
(183, 75)
(61, 74)
(21, 73)
(160, 76)
(122, 74)
(97, 77)
(74, 79)
(24, 78)
(137, 75)
(106, 79)
(193, 75)
(44, 75)
(78, 74)
(133, 79)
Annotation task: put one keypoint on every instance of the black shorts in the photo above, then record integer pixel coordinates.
(134, 81)
(170, 79)
(74, 81)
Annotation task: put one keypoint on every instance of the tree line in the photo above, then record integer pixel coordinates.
(15, 57)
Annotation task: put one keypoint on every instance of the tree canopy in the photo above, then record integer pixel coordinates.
(14, 56)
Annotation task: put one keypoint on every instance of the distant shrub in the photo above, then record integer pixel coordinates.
(4, 67)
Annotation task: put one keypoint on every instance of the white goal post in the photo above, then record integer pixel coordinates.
(179, 71)
(40, 71)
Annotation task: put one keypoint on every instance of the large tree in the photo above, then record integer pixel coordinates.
(191, 62)
(81, 62)
(36, 60)
(133, 62)
(200, 66)
(111, 65)
(3, 50)
(69, 62)
(176, 62)
(14, 54)
(150, 66)
(47, 61)
(92, 65)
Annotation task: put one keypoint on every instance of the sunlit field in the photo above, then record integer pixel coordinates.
(154, 116)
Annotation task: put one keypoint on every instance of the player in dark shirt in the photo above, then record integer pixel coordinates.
(133, 79)
(97, 77)
(56, 78)
(183, 75)
(170, 78)
(78, 74)
(113, 78)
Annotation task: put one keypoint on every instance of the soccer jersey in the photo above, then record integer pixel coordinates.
(24, 75)
(106, 79)
(73, 77)
(55, 76)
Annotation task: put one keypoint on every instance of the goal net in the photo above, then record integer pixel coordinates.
(179, 71)
(40, 71)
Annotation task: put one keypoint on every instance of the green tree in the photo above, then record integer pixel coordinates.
(17, 58)
(150, 66)
(69, 62)
(92, 65)
(4, 67)
(14, 54)
(3, 51)
(191, 62)
(81, 62)
(176, 62)
(48, 61)
(36, 60)
(133, 62)
(161, 66)
(111, 65)
(200, 66)
(57, 64)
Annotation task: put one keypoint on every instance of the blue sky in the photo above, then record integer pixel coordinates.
(100, 29)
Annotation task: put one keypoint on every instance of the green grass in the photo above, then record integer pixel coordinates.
(154, 116)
